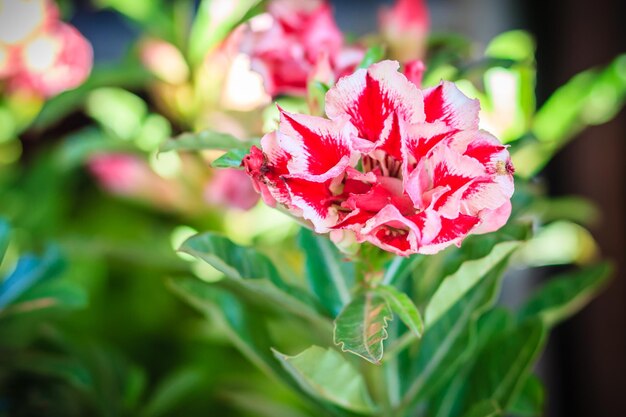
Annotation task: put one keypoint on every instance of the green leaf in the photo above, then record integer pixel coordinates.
(329, 275)
(5, 236)
(244, 325)
(205, 140)
(530, 400)
(501, 368)
(590, 98)
(252, 272)
(488, 408)
(48, 295)
(372, 55)
(361, 327)
(214, 21)
(400, 268)
(518, 45)
(119, 111)
(573, 208)
(326, 374)
(455, 286)
(245, 330)
(565, 295)
(68, 368)
(402, 305)
(444, 346)
(173, 391)
(231, 159)
(29, 271)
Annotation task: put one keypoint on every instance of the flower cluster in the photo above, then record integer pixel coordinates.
(405, 169)
(38, 52)
(303, 37)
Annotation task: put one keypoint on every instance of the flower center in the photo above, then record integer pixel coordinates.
(387, 164)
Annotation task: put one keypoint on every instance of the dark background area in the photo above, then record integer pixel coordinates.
(585, 364)
(587, 355)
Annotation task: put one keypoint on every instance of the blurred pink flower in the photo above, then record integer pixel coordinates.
(231, 188)
(39, 53)
(121, 174)
(414, 71)
(404, 27)
(20, 19)
(302, 33)
(405, 169)
(56, 60)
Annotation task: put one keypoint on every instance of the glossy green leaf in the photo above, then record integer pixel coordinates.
(372, 55)
(214, 21)
(56, 294)
(326, 374)
(448, 402)
(5, 236)
(573, 208)
(119, 111)
(502, 366)
(231, 159)
(29, 271)
(205, 140)
(530, 400)
(402, 305)
(565, 295)
(251, 271)
(246, 328)
(444, 346)
(361, 327)
(173, 390)
(329, 274)
(455, 286)
(486, 408)
(515, 44)
(400, 268)
(68, 368)
(590, 98)
(247, 332)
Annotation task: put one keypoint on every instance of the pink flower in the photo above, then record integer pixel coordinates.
(405, 169)
(54, 61)
(231, 188)
(404, 26)
(121, 174)
(302, 33)
(39, 53)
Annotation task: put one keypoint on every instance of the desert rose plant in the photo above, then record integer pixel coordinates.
(412, 178)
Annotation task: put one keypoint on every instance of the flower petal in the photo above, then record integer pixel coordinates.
(392, 231)
(314, 200)
(319, 147)
(453, 231)
(369, 97)
(446, 103)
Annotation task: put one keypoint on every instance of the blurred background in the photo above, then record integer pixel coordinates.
(585, 363)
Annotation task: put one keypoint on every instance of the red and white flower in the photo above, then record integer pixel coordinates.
(405, 169)
(302, 34)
